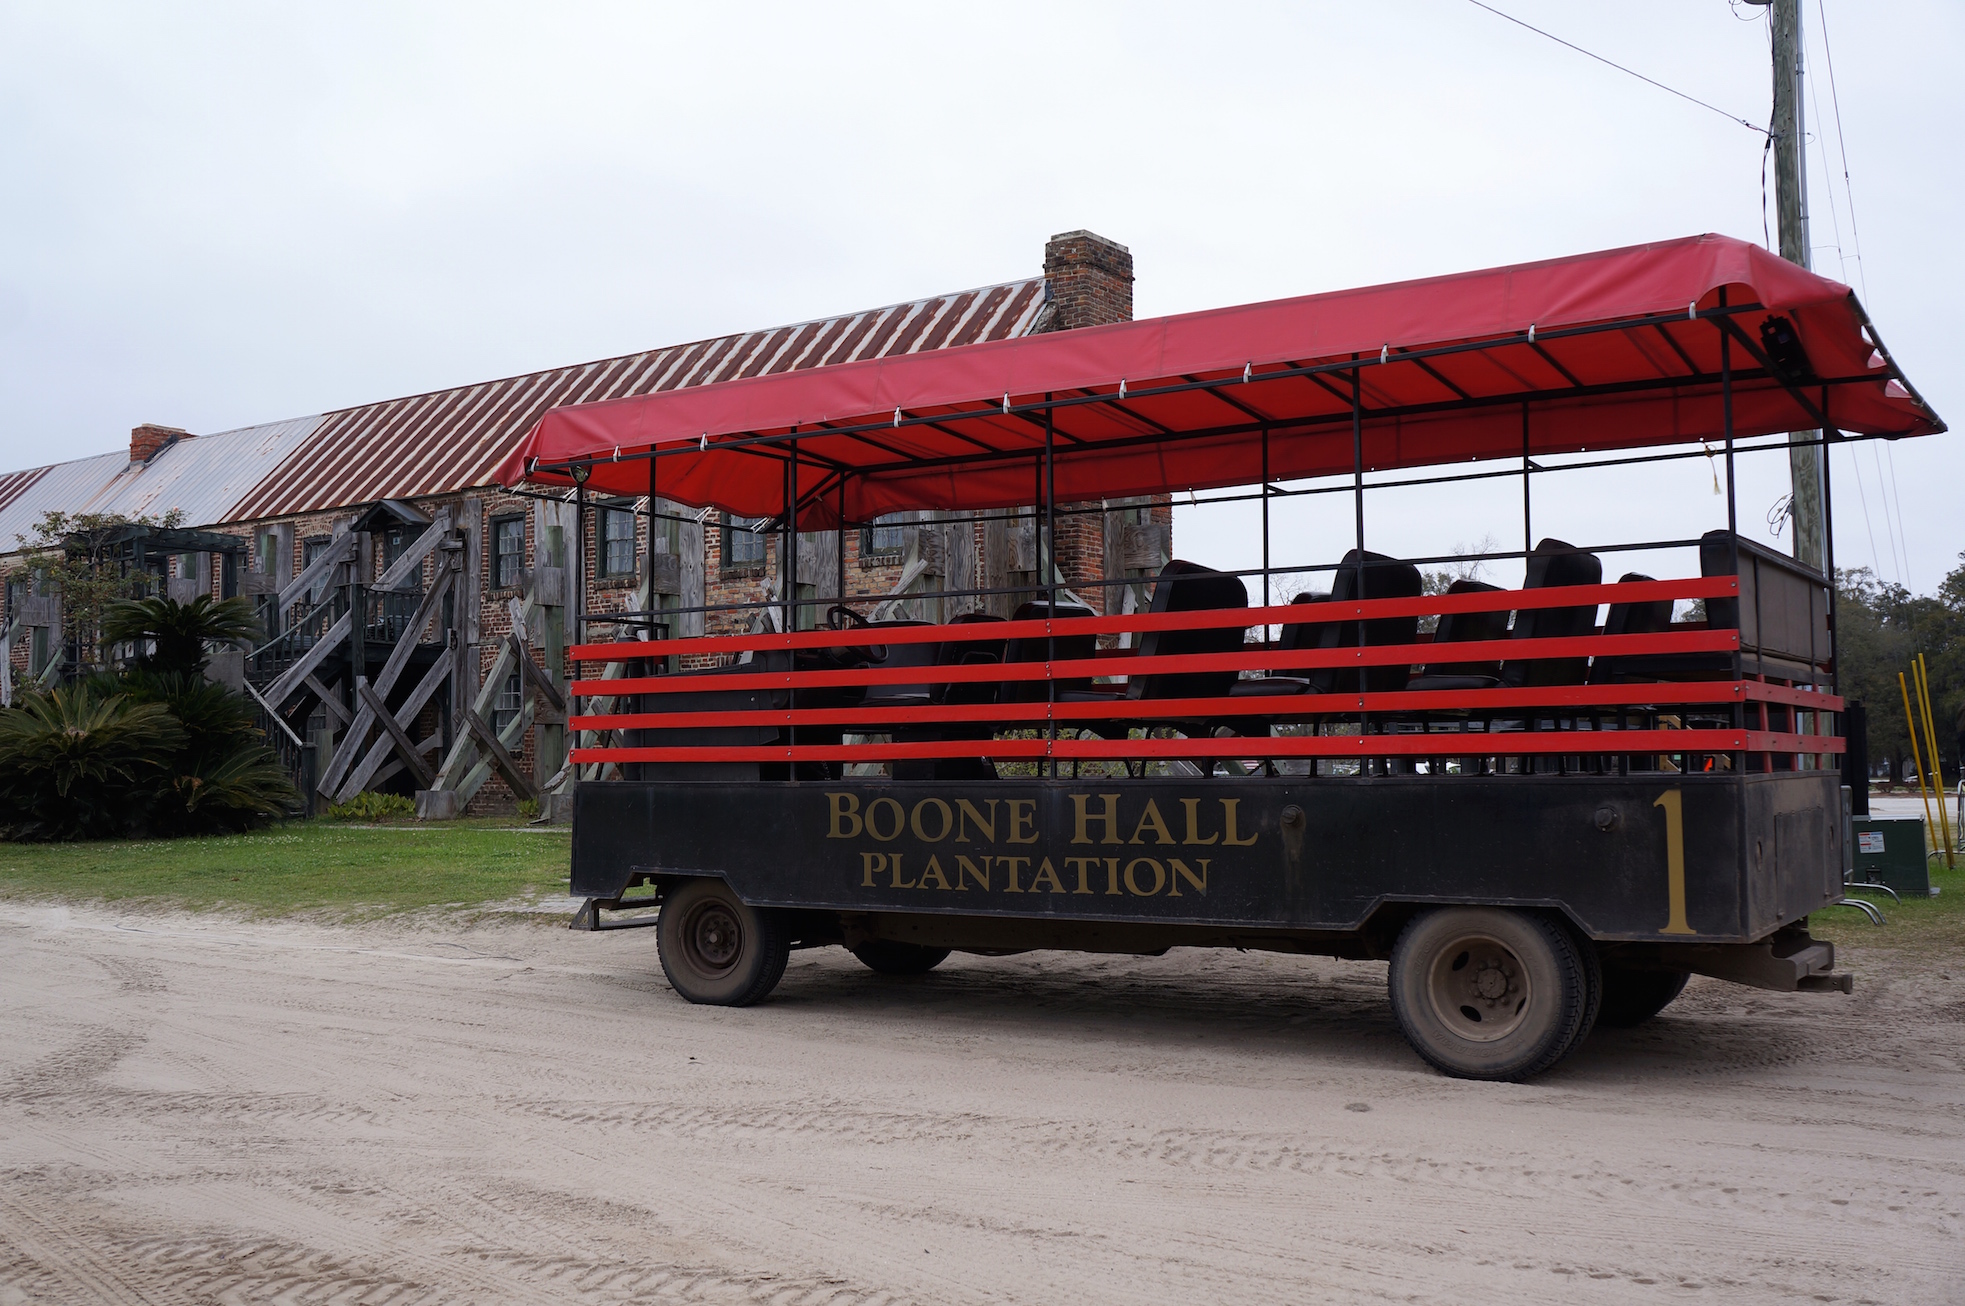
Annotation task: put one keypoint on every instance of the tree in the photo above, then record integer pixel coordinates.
(173, 636)
(1880, 628)
(76, 557)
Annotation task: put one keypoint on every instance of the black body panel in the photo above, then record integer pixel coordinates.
(1268, 854)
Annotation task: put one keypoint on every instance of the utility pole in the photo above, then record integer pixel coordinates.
(1791, 208)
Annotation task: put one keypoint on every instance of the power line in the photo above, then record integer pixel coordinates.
(1620, 67)
(1849, 195)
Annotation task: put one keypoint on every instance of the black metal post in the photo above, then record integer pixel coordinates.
(1047, 551)
(1265, 525)
(1528, 524)
(841, 600)
(788, 547)
(1358, 503)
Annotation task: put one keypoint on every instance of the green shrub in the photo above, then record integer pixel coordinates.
(78, 764)
(369, 806)
(528, 809)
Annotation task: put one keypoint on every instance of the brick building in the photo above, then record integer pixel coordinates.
(387, 511)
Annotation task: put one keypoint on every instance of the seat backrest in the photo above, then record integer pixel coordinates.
(1553, 564)
(902, 655)
(970, 652)
(1039, 648)
(1646, 618)
(1190, 587)
(1467, 628)
(1384, 578)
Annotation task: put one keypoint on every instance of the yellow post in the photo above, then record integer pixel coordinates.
(1937, 765)
(1910, 723)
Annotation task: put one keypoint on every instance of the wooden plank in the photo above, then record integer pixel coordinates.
(385, 680)
(405, 746)
(330, 701)
(349, 749)
(419, 549)
(499, 757)
(511, 737)
(280, 690)
(364, 775)
(336, 552)
(530, 674)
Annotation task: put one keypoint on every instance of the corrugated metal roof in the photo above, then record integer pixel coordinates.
(204, 476)
(65, 487)
(451, 439)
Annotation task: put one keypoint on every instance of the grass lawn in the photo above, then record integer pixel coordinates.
(1922, 925)
(304, 865)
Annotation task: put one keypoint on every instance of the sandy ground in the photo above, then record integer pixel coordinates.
(199, 1110)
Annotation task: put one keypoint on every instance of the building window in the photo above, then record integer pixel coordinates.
(37, 650)
(507, 551)
(228, 576)
(743, 546)
(617, 543)
(187, 566)
(511, 698)
(887, 535)
(265, 545)
(16, 595)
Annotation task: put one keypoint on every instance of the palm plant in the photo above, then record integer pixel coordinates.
(176, 633)
(77, 764)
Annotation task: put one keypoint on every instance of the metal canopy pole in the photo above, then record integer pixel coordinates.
(1358, 502)
(788, 547)
(1528, 525)
(841, 600)
(1047, 555)
(1265, 524)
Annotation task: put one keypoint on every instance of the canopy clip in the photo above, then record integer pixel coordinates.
(1692, 311)
(703, 445)
(1122, 387)
(897, 414)
(1006, 401)
(617, 454)
(1531, 333)
(1248, 370)
(1385, 354)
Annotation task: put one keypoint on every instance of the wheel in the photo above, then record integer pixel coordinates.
(1486, 993)
(1631, 997)
(716, 950)
(892, 958)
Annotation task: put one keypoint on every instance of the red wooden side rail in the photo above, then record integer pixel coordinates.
(1569, 720)
(1566, 596)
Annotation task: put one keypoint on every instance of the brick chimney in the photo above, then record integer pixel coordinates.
(149, 440)
(1089, 280)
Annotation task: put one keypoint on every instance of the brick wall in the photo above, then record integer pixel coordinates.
(1089, 281)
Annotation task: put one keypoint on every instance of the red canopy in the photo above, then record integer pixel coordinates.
(1611, 350)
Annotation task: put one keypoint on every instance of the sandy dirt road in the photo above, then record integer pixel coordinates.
(199, 1110)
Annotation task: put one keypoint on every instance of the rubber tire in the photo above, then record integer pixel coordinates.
(1563, 983)
(762, 948)
(1631, 997)
(890, 957)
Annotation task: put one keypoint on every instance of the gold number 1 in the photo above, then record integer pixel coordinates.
(1673, 801)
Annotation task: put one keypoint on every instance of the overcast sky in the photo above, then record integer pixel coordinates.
(217, 215)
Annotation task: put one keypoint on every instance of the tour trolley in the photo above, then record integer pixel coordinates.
(1545, 806)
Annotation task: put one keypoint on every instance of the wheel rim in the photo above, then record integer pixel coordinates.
(712, 939)
(1479, 988)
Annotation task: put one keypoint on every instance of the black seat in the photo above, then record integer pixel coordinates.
(1552, 565)
(1384, 578)
(1465, 628)
(1646, 618)
(1054, 648)
(952, 653)
(1190, 587)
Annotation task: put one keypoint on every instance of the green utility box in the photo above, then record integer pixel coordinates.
(1891, 853)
